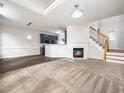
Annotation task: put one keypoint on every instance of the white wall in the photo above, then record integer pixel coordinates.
(77, 34)
(115, 24)
(56, 50)
(14, 42)
(95, 51)
(77, 37)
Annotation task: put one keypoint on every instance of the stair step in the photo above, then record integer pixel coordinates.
(116, 50)
(96, 44)
(115, 55)
(115, 61)
(100, 44)
(111, 53)
(115, 58)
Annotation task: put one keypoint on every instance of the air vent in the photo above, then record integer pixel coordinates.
(29, 23)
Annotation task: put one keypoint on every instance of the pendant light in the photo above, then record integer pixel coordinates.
(77, 13)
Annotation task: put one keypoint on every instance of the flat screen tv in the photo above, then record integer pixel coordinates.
(48, 39)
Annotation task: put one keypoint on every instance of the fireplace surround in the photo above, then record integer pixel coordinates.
(78, 52)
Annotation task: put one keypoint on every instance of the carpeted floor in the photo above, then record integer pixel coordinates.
(65, 76)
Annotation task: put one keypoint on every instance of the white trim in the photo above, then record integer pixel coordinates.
(10, 52)
(115, 61)
(52, 6)
(19, 47)
(20, 56)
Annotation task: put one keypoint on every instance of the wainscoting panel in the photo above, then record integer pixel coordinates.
(17, 52)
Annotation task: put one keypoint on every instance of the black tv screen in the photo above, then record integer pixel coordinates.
(48, 39)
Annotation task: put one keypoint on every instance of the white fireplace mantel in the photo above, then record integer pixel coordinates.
(77, 45)
(66, 50)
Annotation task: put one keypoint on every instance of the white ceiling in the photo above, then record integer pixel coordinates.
(16, 14)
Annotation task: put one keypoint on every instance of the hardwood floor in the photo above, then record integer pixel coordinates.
(9, 64)
(65, 76)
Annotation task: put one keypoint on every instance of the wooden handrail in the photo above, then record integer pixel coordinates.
(99, 33)
(106, 42)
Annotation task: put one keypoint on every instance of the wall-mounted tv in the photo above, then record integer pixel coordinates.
(48, 39)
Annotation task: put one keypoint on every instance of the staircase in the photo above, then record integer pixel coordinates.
(110, 55)
(100, 39)
(96, 42)
(115, 56)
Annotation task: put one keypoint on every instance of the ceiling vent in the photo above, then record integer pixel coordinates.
(29, 23)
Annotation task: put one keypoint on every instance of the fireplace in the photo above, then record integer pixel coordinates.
(78, 52)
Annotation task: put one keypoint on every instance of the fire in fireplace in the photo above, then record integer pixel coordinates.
(78, 52)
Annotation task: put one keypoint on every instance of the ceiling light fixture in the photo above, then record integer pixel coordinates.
(29, 37)
(77, 13)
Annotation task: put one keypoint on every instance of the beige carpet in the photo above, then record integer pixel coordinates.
(65, 76)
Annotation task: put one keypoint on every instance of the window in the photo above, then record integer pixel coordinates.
(111, 35)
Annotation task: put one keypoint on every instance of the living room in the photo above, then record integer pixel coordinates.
(61, 46)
